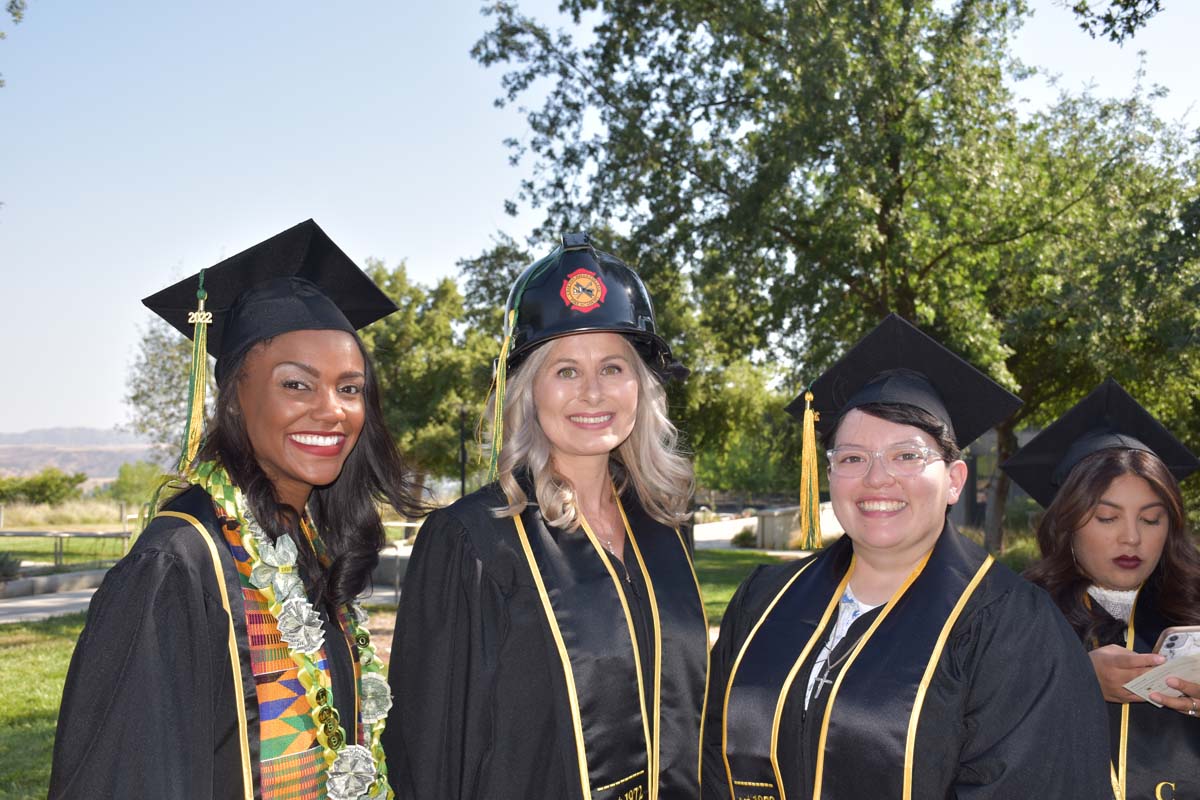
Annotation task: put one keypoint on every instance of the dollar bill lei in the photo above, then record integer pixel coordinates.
(353, 771)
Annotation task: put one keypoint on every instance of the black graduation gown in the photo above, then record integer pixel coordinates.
(1009, 711)
(486, 705)
(150, 707)
(1161, 746)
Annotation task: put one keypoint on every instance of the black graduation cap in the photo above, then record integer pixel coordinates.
(898, 364)
(1107, 418)
(296, 280)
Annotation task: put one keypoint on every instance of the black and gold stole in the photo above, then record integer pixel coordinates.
(873, 707)
(1155, 752)
(627, 748)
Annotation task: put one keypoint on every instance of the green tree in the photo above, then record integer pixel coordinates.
(51, 486)
(1119, 20)
(156, 387)
(793, 172)
(433, 368)
(759, 450)
(135, 483)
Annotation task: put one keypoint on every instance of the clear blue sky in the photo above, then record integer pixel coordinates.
(141, 141)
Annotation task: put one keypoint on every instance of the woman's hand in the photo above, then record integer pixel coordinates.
(1115, 666)
(1188, 704)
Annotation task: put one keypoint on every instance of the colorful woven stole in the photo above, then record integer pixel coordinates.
(291, 766)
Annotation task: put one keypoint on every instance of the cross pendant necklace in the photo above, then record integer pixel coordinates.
(824, 680)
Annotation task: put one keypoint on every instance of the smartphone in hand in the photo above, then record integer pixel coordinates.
(1179, 640)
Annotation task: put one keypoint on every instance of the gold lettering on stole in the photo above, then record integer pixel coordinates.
(1158, 795)
(636, 793)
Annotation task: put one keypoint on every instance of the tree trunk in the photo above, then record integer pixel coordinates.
(993, 528)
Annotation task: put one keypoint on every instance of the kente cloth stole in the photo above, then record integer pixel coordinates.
(886, 685)
(615, 706)
(291, 766)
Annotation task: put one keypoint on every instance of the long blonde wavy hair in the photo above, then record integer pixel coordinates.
(650, 459)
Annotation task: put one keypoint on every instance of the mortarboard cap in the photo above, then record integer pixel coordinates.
(296, 280)
(898, 364)
(1107, 418)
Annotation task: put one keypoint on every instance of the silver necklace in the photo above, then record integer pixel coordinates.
(607, 541)
(824, 680)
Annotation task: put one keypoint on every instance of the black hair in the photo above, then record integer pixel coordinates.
(345, 511)
(904, 414)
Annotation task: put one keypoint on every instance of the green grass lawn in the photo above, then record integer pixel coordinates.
(75, 550)
(35, 657)
(720, 572)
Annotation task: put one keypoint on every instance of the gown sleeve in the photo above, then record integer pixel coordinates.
(713, 780)
(439, 731)
(1034, 719)
(139, 714)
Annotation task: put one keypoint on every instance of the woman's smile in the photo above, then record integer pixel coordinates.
(881, 506)
(327, 445)
(592, 420)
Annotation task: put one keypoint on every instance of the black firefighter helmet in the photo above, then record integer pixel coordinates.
(578, 289)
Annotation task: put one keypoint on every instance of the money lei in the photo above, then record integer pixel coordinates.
(352, 771)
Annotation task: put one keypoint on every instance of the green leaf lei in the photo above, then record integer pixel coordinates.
(353, 771)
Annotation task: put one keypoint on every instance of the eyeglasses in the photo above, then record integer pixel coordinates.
(900, 461)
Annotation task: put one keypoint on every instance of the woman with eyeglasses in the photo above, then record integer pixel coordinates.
(901, 661)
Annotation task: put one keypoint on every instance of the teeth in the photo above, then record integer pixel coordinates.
(315, 441)
(882, 505)
(591, 420)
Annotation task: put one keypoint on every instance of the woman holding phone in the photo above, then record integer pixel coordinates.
(1118, 560)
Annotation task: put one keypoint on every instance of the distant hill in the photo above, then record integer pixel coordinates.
(97, 452)
(73, 437)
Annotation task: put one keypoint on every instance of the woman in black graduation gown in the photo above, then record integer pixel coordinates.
(224, 656)
(551, 641)
(901, 661)
(1120, 563)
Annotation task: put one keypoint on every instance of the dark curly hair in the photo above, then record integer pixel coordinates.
(1177, 574)
(345, 512)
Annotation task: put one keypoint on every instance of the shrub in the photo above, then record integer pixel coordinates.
(746, 537)
(10, 565)
(135, 484)
(50, 486)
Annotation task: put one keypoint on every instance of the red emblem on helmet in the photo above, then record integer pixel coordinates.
(583, 290)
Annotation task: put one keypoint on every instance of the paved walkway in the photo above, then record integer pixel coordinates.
(34, 607)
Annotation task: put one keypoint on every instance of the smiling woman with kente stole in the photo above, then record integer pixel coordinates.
(902, 661)
(551, 641)
(225, 655)
(1118, 559)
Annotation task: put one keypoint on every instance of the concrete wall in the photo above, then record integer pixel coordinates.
(778, 526)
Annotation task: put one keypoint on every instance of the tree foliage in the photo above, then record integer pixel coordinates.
(156, 387)
(787, 174)
(434, 369)
(50, 486)
(1119, 20)
(16, 11)
(135, 483)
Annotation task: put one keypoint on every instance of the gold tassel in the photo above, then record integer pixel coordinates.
(198, 381)
(498, 386)
(810, 488)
